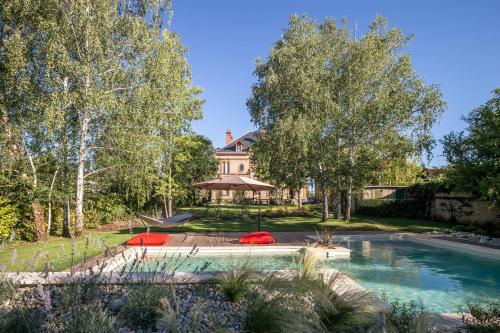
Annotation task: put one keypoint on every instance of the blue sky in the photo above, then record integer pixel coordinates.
(456, 45)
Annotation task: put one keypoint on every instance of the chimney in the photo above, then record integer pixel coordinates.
(229, 137)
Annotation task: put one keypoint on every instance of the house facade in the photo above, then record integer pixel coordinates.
(234, 159)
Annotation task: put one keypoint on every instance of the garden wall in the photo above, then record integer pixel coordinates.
(462, 208)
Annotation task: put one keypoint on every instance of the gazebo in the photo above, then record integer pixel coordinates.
(236, 183)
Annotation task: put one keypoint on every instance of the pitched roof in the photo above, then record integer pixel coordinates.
(246, 140)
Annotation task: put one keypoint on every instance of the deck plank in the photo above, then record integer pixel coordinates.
(231, 239)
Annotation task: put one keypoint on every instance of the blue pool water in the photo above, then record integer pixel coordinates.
(442, 279)
(399, 269)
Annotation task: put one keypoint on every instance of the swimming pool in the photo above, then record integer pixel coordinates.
(441, 278)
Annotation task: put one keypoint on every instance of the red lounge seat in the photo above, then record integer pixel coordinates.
(148, 239)
(260, 237)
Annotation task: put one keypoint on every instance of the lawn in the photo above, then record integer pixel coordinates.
(312, 223)
(62, 252)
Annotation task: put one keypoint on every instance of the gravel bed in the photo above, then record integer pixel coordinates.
(205, 302)
(467, 238)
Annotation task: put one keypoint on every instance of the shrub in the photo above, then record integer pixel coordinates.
(235, 281)
(80, 291)
(21, 319)
(305, 266)
(271, 308)
(9, 217)
(169, 311)
(407, 317)
(141, 308)
(410, 208)
(7, 288)
(88, 318)
(349, 312)
(104, 210)
(482, 318)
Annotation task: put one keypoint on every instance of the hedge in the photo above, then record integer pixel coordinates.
(9, 217)
(392, 208)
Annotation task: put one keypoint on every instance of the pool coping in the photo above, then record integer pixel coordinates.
(131, 253)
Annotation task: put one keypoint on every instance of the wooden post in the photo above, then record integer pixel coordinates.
(258, 217)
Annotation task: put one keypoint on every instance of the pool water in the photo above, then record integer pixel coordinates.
(442, 279)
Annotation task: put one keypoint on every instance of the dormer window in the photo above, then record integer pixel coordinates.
(238, 146)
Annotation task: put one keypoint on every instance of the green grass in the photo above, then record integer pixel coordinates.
(62, 252)
(278, 218)
(311, 223)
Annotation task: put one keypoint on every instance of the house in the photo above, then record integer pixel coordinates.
(234, 159)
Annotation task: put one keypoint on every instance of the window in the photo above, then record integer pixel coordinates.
(238, 146)
(225, 168)
(242, 167)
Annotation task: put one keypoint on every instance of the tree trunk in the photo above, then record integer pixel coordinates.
(324, 198)
(49, 218)
(79, 177)
(169, 196)
(299, 198)
(41, 233)
(337, 204)
(49, 209)
(165, 206)
(67, 217)
(66, 204)
(347, 215)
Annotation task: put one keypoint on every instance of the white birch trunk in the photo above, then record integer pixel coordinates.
(80, 175)
(347, 216)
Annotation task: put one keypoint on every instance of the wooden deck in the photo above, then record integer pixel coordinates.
(231, 239)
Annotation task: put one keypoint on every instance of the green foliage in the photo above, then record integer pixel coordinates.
(482, 317)
(104, 210)
(474, 156)
(7, 288)
(9, 219)
(170, 316)
(410, 208)
(143, 302)
(349, 312)
(88, 318)
(21, 319)
(80, 292)
(104, 117)
(357, 103)
(407, 317)
(194, 161)
(398, 171)
(235, 281)
(305, 267)
(270, 308)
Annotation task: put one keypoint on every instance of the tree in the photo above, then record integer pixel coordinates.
(282, 103)
(96, 90)
(474, 157)
(359, 102)
(194, 161)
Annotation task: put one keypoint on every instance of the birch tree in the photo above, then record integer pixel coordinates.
(359, 100)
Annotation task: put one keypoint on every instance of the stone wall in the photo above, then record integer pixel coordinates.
(462, 208)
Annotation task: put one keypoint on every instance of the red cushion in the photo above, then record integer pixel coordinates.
(148, 239)
(261, 237)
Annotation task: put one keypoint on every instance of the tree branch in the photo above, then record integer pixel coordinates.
(101, 170)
